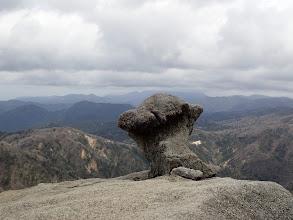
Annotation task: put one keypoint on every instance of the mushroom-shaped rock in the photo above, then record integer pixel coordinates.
(161, 126)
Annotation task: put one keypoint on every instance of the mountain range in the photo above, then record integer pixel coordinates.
(59, 154)
(80, 110)
(32, 116)
(249, 137)
(67, 99)
(210, 104)
(258, 146)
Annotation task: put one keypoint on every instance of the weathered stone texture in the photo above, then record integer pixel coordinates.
(187, 173)
(161, 126)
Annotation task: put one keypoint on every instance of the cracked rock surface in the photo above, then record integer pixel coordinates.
(161, 126)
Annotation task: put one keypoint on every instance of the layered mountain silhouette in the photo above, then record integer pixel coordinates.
(76, 110)
(210, 104)
(32, 116)
(67, 99)
(248, 136)
(248, 142)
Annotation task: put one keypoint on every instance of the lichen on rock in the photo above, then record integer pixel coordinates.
(161, 126)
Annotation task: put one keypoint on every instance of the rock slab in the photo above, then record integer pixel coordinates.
(166, 197)
(161, 126)
(187, 173)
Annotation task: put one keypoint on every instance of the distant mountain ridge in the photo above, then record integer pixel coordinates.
(23, 117)
(77, 110)
(88, 111)
(10, 105)
(67, 99)
(234, 131)
(136, 98)
(210, 104)
(33, 116)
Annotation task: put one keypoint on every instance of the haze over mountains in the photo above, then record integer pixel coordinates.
(32, 116)
(210, 104)
(250, 137)
(67, 99)
(36, 112)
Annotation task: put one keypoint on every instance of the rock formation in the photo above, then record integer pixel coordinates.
(187, 173)
(166, 197)
(161, 126)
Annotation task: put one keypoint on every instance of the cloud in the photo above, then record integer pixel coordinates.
(157, 39)
(240, 45)
(255, 36)
(10, 4)
(33, 39)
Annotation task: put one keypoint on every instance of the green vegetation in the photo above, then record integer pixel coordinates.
(247, 147)
(82, 139)
(55, 154)
(5, 181)
(250, 147)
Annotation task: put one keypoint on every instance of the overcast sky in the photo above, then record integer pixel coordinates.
(219, 47)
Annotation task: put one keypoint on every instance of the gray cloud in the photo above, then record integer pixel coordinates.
(216, 46)
(10, 4)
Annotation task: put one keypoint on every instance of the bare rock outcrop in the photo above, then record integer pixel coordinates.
(166, 197)
(161, 126)
(187, 173)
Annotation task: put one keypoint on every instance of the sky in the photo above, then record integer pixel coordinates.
(226, 47)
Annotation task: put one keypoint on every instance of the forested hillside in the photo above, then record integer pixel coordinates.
(58, 154)
(250, 147)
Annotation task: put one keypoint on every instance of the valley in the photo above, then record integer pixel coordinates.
(247, 140)
(59, 154)
(251, 147)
